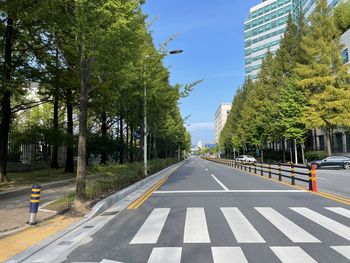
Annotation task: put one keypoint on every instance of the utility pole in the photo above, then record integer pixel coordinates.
(145, 128)
(145, 132)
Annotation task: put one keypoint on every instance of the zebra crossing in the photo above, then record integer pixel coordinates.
(195, 231)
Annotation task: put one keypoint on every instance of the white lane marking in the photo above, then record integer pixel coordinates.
(241, 228)
(340, 210)
(324, 221)
(220, 183)
(292, 255)
(206, 169)
(196, 229)
(344, 250)
(227, 191)
(227, 254)
(165, 254)
(287, 227)
(151, 229)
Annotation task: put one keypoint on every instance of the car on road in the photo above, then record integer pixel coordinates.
(246, 159)
(333, 161)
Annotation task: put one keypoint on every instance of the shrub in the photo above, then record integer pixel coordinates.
(315, 155)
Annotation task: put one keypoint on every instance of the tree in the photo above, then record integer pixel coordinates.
(341, 16)
(22, 41)
(323, 76)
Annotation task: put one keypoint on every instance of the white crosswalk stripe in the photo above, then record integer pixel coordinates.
(343, 250)
(292, 255)
(241, 228)
(227, 254)
(151, 229)
(196, 229)
(287, 227)
(196, 226)
(340, 210)
(324, 221)
(165, 254)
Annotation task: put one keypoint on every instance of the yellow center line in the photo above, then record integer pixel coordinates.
(138, 202)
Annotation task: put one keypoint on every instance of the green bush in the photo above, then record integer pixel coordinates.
(315, 155)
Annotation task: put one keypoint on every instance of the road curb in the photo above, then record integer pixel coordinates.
(104, 204)
(99, 208)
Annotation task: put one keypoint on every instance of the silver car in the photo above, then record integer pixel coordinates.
(246, 159)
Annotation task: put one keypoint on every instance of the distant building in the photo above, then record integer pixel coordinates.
(200, 145)
(221, 118)
(265, 26)
(345, 39)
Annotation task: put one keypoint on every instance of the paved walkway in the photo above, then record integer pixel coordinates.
(14, 211)
(30, 236)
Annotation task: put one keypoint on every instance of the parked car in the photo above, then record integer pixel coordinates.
(246, 159)
(333, 161)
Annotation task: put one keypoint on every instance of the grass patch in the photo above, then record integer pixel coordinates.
(102, 179)
(37, 177)
(112, 178)
(62, 204)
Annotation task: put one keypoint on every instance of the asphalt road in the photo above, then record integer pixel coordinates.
(206, 212)
(335, 181)
(330, 180)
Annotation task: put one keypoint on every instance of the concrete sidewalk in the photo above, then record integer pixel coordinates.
(59, 227)
(14, 210)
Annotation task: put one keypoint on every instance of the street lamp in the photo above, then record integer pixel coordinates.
(145, 128)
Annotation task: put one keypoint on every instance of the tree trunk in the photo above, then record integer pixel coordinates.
(291, 151)
(127, 143)
(262, 155)
(296, 151)
(5, 113)
(284, 150)
(131, 144)
(155, 145)
(121, 139)
(327, 136)
(54, 159)
(69, 167)
(314, 142)
(303, 153)
(104, 138)
(166, 149)
(81, 166)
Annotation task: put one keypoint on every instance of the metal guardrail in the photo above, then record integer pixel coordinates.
(280, 170)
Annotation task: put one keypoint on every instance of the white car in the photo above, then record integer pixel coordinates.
(246, 159)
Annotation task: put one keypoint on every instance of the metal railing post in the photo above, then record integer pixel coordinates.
(279, 172)
(292, 169)
(310, 179)
(261, 171)
(255, 167)
(270, 174)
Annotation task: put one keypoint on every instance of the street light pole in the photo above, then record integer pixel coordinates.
(145, 126)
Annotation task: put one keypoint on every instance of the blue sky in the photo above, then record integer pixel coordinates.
(211, 35)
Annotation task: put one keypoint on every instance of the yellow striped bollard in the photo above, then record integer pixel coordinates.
(34, 204)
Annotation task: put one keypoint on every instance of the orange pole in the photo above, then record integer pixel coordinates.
(313, 177)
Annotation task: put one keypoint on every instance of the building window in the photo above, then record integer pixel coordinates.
(345, 56)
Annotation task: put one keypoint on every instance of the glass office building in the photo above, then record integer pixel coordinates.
(265, 26)
(309, 5)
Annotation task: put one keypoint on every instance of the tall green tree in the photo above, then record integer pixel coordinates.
(341, 16)
(323, 76)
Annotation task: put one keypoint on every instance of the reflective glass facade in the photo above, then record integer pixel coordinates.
(265, 26)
